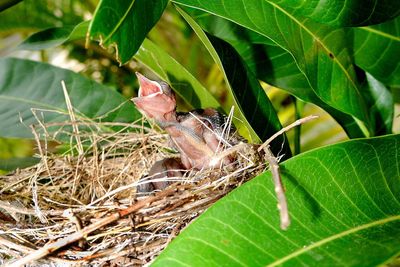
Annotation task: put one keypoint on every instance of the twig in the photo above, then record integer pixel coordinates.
(285, 129)
(21, 248)
(51, 247)
(279, 191)
(274, 166)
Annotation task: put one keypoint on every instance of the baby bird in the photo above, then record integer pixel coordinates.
(197, 135)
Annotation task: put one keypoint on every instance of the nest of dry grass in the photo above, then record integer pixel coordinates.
(83, 207)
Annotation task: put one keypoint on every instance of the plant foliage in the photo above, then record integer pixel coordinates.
(342, 56)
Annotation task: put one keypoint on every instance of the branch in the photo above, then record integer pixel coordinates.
(276, 177)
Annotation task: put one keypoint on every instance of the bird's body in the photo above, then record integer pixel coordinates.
(197, 135)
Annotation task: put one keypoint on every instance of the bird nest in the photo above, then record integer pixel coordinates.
(81, 206)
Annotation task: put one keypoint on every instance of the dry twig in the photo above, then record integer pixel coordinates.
(274, 167)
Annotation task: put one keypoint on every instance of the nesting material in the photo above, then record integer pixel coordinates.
(65, 196)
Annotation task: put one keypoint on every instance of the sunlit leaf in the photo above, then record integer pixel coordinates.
(271, 64)
(344, 201)
(320, 52)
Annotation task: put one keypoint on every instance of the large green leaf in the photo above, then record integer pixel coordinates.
(126, 24)
(345, 13)
(344, 201)
(27, 85)
(377, 50)
(277, 67)
(319, 51)
(250, 98)
(271, 64)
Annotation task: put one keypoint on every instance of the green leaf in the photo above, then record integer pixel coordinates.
(126, 24)
(180, 79)
(15, 163)
(54, 37)
(344, 202)
(319, 51)
(7, 4)
(271, 64)
(38, 15)
(382, 105)
(250, 99)
(345, 13)
(27, 85)
(377, 49)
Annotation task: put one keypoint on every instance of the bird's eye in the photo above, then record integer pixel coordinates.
(165, 88)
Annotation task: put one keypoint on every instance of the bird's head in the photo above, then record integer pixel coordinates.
(155, 99)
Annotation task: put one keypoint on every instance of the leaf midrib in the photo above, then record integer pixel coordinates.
(119, 23)
(319, 42)
(316, 38)
(381, 33)
(333, 238)
(292, 18)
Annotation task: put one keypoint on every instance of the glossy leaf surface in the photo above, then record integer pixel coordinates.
(320, 52)
(271, 64)
(344, 13)
(344, 201)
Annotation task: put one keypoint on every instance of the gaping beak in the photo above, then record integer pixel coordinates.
(148, 88)
(154, 101)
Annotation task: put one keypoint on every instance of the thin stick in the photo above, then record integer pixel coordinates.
(72, 117)
(276, 177)
(51, 247)
(285, 129)
(279, 191)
